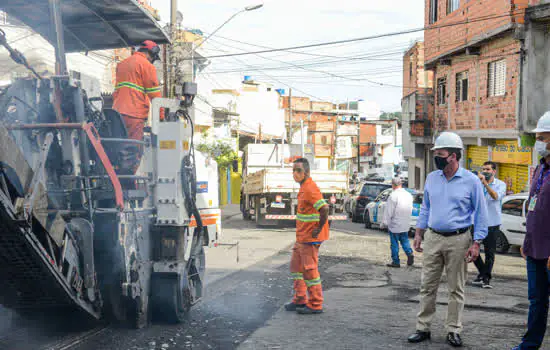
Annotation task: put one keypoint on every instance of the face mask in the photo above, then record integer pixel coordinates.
(441, 162)
(541, 148)
(487, 176)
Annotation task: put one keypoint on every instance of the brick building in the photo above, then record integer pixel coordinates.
(418, 114)
(321, 120)
(475, 50)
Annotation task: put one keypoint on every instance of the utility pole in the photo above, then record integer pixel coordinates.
(172, 64)
(358, 118)
(289, 130)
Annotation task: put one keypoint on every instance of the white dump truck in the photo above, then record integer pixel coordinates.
(269, 192)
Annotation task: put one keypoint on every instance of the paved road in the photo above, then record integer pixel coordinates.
(368, 306)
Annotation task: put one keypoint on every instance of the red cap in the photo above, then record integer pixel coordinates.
(149, 45)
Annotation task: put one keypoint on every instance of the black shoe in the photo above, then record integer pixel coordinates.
(308, 311)
(478, 282)
(294, 307)
(410, 260)
(486, 284)
(393, 265)
(419, 337)
(454, 339)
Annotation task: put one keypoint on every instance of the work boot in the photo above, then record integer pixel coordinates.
(410, 260)
(308, 311)
(393, 265)
(294, 307)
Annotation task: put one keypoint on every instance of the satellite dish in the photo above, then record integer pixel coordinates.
(179, 18)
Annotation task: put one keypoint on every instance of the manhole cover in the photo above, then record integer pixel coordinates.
(363, 284)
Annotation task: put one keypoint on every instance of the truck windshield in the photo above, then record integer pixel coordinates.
(373, 190)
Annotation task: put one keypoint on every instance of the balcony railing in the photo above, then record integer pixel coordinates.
(421, 128)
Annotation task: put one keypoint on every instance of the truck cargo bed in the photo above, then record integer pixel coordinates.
(281, 181)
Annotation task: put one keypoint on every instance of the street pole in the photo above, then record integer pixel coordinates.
(302, 136)
(172, 64)
(289, 130)
(358, 145)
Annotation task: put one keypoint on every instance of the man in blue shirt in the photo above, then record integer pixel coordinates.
(494, 190)
(453, 202)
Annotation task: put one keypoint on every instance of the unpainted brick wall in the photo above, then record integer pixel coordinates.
(494, 112)
(483, 16)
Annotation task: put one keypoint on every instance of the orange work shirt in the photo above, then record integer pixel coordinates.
(310, 200)
(136, 85)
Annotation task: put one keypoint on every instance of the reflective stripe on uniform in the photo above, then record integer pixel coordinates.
(308, 217)
(319, 204)
(313, 282)
(130, 85)
(137, 87)
(153, 90)
(297, 275)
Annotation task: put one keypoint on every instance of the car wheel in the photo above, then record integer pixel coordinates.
(502, 243)
(366, 218)
(353, 215)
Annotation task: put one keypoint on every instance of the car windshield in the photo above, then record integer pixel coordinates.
(373, 190)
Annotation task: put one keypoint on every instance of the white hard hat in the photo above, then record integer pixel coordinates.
(544, 123)
(448, 140)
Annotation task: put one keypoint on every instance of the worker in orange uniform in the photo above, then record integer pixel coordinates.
(311, 231)
(136, 85)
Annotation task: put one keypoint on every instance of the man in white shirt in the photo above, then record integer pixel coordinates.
(494, 191)
(397, 218)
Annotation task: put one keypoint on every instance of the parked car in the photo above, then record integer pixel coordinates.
(365, 193)
(374, 211)
(513, 228)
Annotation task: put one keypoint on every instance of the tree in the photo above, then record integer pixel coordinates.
(391, 115)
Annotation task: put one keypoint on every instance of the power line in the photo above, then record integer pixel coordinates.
(378, 36)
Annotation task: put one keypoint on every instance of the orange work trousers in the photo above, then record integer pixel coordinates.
(133, 153)
(304, 269)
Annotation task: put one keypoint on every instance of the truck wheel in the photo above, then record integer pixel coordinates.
(354, 216)
(257, 213)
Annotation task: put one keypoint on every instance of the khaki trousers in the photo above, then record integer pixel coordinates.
(449, 253)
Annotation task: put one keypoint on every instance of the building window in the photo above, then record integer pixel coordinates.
(452, 5)
(462, 86)
(497, 78)
(433, 11)
(411, 70)
(441, 91)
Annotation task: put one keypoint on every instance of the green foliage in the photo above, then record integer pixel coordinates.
(391, 115)
(221, 151)
(528, 140)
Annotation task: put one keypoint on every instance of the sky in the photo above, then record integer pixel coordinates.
(360, 66)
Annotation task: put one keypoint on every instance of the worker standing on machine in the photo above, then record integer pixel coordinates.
(311, 231)
(136, 85)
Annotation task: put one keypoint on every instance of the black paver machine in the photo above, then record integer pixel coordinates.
(77, 231)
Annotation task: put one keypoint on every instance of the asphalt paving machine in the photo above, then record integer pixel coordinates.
(78, 230)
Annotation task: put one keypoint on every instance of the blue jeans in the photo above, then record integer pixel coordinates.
(538, 284)
(395, 238)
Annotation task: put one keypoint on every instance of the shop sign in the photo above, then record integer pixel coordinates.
(510, 152)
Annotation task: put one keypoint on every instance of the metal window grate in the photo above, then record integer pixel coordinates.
(497, 78)
(462, 86)
(441, 91)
